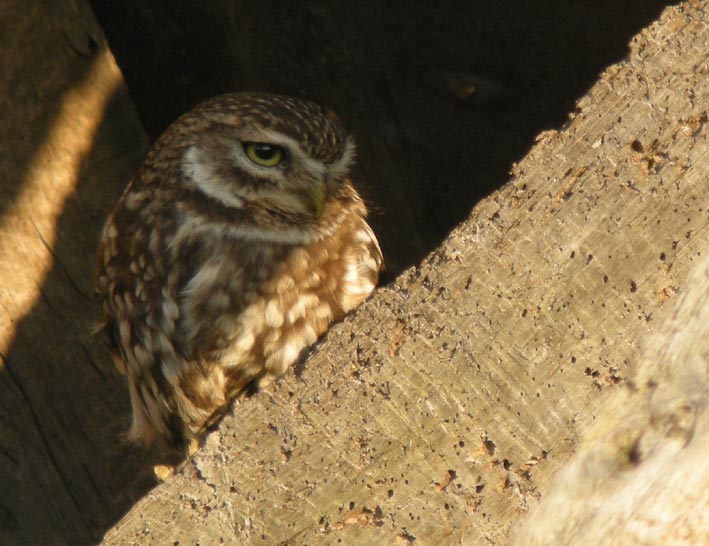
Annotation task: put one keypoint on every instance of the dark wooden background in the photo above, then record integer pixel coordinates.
(396, 72)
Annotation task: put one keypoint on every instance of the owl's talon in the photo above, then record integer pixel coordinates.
(162, 472)
(193, 446)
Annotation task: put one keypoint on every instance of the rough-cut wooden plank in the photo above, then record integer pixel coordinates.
(439, 411)
(69, 139)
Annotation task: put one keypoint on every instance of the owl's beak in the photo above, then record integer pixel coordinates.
(313, 198)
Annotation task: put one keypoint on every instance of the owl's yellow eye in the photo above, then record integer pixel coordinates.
(264, 155)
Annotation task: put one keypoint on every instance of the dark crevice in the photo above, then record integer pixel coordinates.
(443, 98)
(58, 262)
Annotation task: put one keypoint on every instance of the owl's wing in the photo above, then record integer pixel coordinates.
(105, 325)
(362, 263)
(137, 313)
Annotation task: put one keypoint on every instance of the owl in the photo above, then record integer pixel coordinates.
(239, 241)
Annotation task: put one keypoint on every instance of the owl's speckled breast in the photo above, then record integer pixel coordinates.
(312, 286)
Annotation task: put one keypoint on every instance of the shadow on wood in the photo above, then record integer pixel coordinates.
(70, 141)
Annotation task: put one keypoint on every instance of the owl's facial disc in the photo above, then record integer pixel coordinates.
(268, 155)
(286, 178)
(265, 168)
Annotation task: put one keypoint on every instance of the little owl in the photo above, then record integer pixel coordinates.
(233, 249)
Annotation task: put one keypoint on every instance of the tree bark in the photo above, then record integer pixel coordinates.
(439, 411)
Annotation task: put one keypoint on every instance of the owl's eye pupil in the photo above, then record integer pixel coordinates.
(265, 151)
(263, 154)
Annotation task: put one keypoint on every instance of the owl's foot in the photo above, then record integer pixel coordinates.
(163, 471)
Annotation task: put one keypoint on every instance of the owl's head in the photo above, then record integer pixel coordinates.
(280, 155)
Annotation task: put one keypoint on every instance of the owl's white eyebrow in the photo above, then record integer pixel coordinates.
(274, 137)
(335, 170)
(342, 166)
(204, 178)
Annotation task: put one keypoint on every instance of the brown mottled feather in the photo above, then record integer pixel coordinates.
(212, 272)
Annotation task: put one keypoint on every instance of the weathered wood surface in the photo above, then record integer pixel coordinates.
(439, 412)
(641, 474)
(69, 140)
